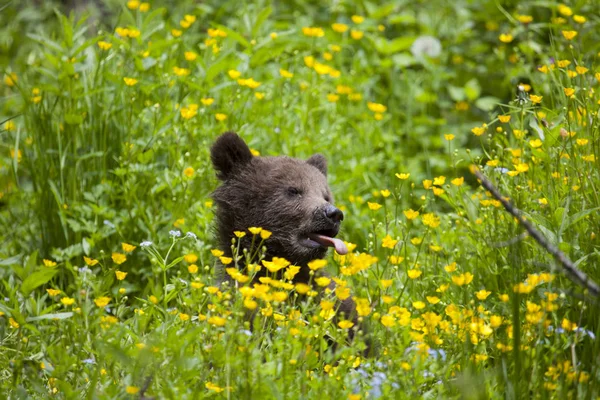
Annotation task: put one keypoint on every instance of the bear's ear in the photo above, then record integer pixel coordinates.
(319, 162)
(228, 154)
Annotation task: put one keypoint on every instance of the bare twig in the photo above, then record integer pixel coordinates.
(572, 272)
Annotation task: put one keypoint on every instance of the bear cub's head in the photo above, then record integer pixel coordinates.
(287, 196)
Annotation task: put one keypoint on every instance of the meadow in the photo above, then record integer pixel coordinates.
(108, 254)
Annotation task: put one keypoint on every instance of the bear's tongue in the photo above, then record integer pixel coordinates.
(340, 247)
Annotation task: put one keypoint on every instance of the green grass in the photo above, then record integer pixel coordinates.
(108, 119)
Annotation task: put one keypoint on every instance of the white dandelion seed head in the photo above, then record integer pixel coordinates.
(426, 45)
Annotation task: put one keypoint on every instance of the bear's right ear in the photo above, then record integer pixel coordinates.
(229, 153)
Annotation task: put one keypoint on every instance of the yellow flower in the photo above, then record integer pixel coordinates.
(478, 130)
(506, 37)
(102, 301)
(259, 95)
(14, 324)
(192, 269)
(190, 258)
(128, 248)
(411, 214)
(580, 19)
(332, 97)
(362, 307)
(213, 387)
(120, 275)
(234, 74)
(376, 107)
(189, 172)
(433, 299)
(339, 27)
(49, 263)
(220, 117)
(569, 35)
(581, 70)
(216, 33)
(132, 389)
(482, 294)
(313, 31)
(388, 242)
(207, 101)
(188, 112)
(356, 35)
(565, 10)
(133, 4)
(254, 230)
(458, 181)
(414, 273)
(53, 292)
(265, 234)
(419, 305)
(403, 176)
(388, 320)
(317, 264)
(568, 325)
(285, 74)
(10, 79)
(217, 321)
(119, 258)
(144, 7)
(104, 45)
(273, 35)
(449, 137)
(569, 91)
(535, 143)
(190, 55)
(431, 220)
(358, 19)
(130, 81)
(345, 324)
(525, 19)
(439, 181)
(181, 71)
(535, 99)
(67, 301)
(176, 32)
(462, 279)
(374, 206)
(543, 69)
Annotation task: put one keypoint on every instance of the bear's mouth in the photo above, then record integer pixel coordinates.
(325, 238)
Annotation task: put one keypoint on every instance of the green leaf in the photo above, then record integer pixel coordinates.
(37, 279)
(487, 103)
(403, 60)
(472, 89)
(234, 35)
(456, 93)
(175, 262)
(7, 262)
(393, 46)
(260, 19)
(63, 315)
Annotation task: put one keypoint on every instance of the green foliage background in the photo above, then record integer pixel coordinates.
(88, 161)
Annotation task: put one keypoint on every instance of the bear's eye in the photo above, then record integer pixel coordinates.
(293, 191)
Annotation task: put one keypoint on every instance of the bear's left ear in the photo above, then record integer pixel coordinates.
(319, 162)
(228, 154)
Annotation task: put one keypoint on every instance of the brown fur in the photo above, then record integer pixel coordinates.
(284, 195)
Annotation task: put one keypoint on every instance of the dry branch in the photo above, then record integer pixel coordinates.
(571, 271)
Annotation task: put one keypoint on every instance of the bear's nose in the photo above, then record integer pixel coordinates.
(333, 213)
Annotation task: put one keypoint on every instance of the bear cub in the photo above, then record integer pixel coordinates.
(287, 196)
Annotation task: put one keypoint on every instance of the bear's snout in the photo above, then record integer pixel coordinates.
(333, 213)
